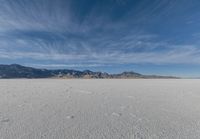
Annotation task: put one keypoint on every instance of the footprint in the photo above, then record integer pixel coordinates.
(122, 107)
(116, 114)
(6, 120)
(70, 117)
(137, 135)
(131, 97)
(21, 105)
(133, 115)
(85, 92)
(43, 136)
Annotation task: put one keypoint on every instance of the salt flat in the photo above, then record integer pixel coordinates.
(99, 109)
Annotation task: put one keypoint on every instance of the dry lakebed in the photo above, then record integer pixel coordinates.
(100, 109)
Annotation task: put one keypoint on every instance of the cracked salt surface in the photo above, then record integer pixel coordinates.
(99, 109)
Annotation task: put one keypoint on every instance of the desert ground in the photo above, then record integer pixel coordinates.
(100, 109)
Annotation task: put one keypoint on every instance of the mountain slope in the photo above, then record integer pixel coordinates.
(18, 71)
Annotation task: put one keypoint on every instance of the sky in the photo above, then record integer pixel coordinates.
(146, 36)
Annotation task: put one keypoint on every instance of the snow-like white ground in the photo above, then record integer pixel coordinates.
(99, 109)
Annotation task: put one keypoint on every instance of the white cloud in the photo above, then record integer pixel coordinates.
(43, 31)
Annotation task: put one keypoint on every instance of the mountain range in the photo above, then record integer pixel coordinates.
(19, 71)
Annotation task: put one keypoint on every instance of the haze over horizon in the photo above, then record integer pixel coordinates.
(149, 37)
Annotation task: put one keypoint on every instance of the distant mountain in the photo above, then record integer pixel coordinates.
(18, 71)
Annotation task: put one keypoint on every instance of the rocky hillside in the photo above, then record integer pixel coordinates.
(18, 71)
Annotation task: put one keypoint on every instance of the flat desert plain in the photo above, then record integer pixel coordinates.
(99, 109)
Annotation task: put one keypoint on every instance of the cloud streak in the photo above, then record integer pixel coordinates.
(55, 33)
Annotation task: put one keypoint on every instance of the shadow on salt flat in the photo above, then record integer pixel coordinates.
(6, 120)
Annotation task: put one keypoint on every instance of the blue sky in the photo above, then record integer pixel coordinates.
(147, 36)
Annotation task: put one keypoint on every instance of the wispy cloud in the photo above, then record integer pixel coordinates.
(59, 66)
(178, 54)
(69, 33)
